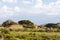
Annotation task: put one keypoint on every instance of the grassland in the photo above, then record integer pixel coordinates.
(29, 34)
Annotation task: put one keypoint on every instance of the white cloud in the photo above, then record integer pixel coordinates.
(26, 2)
(39, 8)
(10, 1)
(33, 11)
(38, 4)
(52, 8)
(5, 12)
(17, 9)
(36, 9)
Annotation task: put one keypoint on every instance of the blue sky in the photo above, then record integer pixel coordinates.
(38, 11)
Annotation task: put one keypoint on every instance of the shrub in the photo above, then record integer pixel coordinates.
(26, 24)
(8, 23)
(5, 31)
(20, 36)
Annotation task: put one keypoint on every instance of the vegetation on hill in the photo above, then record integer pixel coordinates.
(29, 24)
(53, 25)
(8, 23)
(26, 30)
(26, 23)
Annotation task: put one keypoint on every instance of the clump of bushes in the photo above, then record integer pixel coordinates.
(6, 31)
(26, 24)
(8, 23)
(10, 37)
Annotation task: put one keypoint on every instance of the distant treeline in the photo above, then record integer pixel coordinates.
(29, 24)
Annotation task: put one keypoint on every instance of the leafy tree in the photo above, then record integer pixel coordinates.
(8, 23)
(51, 25)
(26, 23)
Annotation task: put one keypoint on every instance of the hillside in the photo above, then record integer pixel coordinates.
(27, 30)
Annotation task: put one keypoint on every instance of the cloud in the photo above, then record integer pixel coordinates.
(53, 8)
(38, 4)
(39, 8)
(10, 1)
(33, 11)
(36, 9)
(26, 2)
(6, 12)
(6, 9)
(17, 9)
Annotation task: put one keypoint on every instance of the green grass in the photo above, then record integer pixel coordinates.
(30, 34)
(34, 35)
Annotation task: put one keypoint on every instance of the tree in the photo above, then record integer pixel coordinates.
(8, 23)
(26, 23)
(51, 25)
(58, 25)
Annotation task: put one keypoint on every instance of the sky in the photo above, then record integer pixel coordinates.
(38, 11)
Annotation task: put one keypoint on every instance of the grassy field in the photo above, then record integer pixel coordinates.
(33, 36)
(18, 33)
(29, 34)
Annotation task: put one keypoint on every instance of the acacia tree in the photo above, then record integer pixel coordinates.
(26, 23)
(8, 23)
(51, 25)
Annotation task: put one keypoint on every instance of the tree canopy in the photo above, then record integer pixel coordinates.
(26, 23)
(8, 23)
(51, 25)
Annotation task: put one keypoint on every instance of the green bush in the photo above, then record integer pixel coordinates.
(5, 31)
(8, 23)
